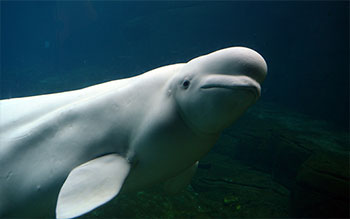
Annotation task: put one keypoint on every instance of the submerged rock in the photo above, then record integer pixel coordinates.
(322, 187)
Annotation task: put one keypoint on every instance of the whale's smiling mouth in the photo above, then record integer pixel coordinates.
(249, 88)
(235, 83)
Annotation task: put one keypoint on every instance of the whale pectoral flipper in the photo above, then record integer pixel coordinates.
(179, 182)
(91, 185)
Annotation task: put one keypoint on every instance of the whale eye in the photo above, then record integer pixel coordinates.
(186, 84)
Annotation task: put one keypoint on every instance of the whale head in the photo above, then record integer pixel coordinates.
(213, 90)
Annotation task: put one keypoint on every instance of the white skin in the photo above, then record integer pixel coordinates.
(207, 95)
(162, 122)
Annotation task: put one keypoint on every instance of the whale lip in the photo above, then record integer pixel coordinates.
(230, 82)
(250, 88)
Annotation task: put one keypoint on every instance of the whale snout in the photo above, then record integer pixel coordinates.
(236, 61)
(235, 73)
(249, 63)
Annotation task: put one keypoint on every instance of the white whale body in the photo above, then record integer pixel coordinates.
(67, 153)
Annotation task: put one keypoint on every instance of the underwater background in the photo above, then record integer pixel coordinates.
(288, 156)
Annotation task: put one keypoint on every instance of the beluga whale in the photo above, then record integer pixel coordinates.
(65, 154)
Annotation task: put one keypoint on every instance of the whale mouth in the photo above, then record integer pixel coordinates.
(249, 88)
(235, 83)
